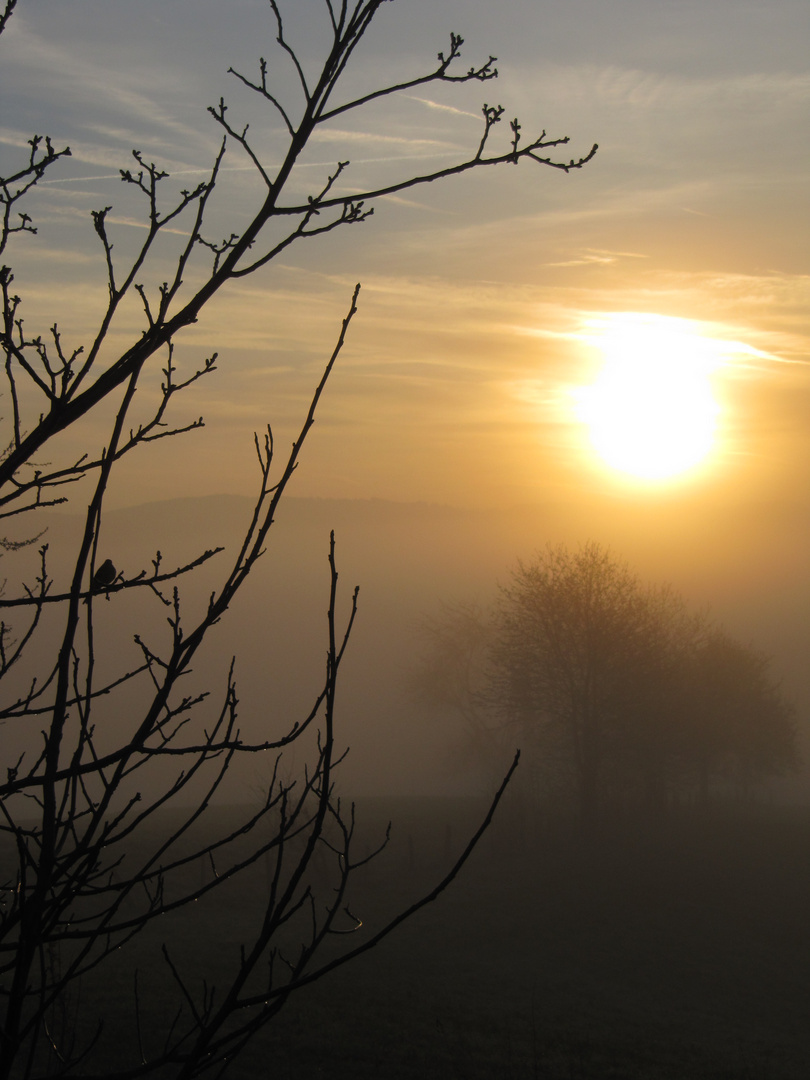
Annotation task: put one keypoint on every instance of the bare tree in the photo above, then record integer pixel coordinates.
(737, 726)
(450, 676)
(90, 866)
(620, 690)
(566, 625)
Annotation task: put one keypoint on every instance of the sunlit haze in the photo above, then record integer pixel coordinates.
(405, 497)
(623, 351)
(456, 382)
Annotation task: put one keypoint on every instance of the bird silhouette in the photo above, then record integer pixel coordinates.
(104, 576)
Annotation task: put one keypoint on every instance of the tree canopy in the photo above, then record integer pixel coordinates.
(620, 690)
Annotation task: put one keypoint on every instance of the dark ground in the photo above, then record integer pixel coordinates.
(675, 950)
(681, 950)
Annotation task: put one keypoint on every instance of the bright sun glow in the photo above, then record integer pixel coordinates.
(650, 411)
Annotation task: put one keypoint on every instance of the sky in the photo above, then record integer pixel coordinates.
(491, 304)
(483, 297)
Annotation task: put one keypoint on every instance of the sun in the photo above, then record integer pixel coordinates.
(651, 412)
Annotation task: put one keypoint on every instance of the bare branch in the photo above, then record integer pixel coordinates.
(108, 745)
(480, 74)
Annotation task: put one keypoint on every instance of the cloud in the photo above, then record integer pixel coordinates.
(650, 90)
(89, 85)
(344, 136)
(439, 106)
(598, 257)
(413, 204)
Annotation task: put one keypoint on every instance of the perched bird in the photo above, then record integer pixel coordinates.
(104, 576)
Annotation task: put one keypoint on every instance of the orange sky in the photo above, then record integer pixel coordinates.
(460, 377)
(481, 297)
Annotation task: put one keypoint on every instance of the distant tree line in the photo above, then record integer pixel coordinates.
(620, 692)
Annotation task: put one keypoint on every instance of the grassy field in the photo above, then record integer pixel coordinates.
(666, 951)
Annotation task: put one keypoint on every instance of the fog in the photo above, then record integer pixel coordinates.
(746, 567)
(676, 946)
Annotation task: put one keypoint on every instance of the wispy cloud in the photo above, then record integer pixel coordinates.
(441, 107)
(598, 257)
(91, 85)
(413, 204)
(343, 136)
(665, 92)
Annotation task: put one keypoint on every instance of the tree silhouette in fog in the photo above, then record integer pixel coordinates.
(737, 725)
(568, 630)
(452, 676)
(90, 865)
(621, 692)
